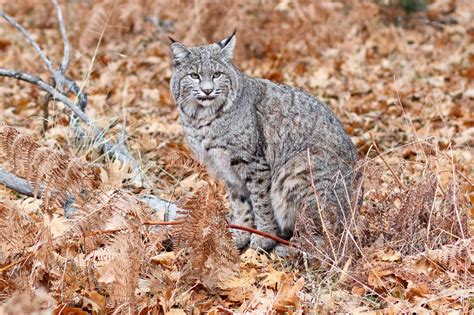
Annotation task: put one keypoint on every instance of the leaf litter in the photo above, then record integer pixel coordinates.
(403, 81)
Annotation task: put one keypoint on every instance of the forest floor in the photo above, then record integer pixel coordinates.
(403, 86)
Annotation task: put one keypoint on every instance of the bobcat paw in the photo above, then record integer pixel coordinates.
(257, 241)
(283, 251)
(241, 238)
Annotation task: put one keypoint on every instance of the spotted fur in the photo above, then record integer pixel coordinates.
(278, 148)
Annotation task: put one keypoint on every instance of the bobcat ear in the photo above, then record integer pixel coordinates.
(227, 45)
(179, 51)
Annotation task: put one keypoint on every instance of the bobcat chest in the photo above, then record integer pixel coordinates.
(214, 153)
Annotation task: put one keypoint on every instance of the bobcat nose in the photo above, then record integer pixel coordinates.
(207, 91)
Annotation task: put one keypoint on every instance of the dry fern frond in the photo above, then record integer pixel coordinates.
(57, 175)
(112, 18)
(205, 238)
(121, 255)
(118, 210)
(119, 263)
(178, 160)
(17, 232)
(457, 257)
(8, 136)
(408, 214)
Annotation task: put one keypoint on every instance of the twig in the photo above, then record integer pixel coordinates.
(162, 223)
(258, 232)
(316, 195)
(15, 262)
(67, 46)
(32, 42)
(230, 225)
(58, 76)
(386, 164)
(45, 105)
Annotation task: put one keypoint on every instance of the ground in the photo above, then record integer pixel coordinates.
(402, 84)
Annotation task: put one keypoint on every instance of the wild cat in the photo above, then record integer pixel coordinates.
(278, 148)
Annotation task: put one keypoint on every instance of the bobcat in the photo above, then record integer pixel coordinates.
(277, 148)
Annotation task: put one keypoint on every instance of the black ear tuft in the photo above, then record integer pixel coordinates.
(227, 46)
(226, 41)
(171, 40)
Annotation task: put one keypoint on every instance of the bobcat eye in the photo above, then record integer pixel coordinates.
(216, 75)
(194, 75)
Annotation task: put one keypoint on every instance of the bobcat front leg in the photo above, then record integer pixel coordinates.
(242, 213)
(259, 184)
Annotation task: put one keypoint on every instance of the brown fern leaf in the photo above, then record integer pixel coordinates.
(57, 175)
(23, 150)
(8, 135)
(120, 265)
(104, 21)
(205, 238)
(119, 260)
(96, 24)
(118, 256)
(17, 232)
(457, 257)
(407, 224)
(115, 211)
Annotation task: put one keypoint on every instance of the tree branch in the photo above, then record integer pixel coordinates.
(23, 186)
(62, 29)
(15, 183)
(119, 150)
(32, 42)
(55, 94)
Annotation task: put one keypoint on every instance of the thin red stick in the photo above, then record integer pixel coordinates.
(230, 225)
(264, 234)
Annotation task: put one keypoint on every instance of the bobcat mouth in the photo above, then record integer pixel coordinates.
(206, 98)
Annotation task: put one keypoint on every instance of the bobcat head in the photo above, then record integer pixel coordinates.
(204, 79)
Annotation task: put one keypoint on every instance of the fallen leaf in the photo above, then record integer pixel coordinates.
(287, 298)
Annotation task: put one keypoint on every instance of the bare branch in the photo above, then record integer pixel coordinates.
(399, 182)
(32, 42)
(119, 150)
(55, 94)
(123, 132)
(62, 29)
(158, 204)
(23, 186)
(58, 76)
(261, 233)
(15, 183)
